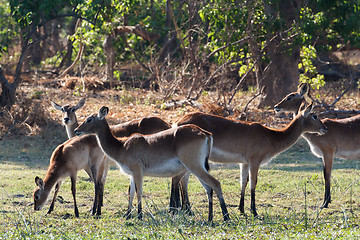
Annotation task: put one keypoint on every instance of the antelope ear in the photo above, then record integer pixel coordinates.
(56, 106)
(80, 104)
(308, 109)
(304, 89)
(103, 112)
(39, 182)
(302, 106)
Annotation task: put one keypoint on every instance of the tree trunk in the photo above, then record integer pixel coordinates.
(7, 97)
(66, 61)
(280, 78)
(36, 50)
(26, 61)
(8, 94)
(110, 58)
(281, 75)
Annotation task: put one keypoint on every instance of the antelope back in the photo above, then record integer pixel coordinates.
(145, 126)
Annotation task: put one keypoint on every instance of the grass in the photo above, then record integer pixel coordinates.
(289, 192)
(289, 195)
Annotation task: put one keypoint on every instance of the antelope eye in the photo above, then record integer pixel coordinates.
(89, 120)
(72, 110)
(36, 197)
(315, 117)
(289, 98)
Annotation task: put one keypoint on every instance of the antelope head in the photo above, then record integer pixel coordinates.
(293, 101)
(69, 117)
(311, 121)
(92, 123)
(39, 199)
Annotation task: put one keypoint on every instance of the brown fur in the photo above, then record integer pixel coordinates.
(342, 139)
(164, 154)
(250, 144)
(84, 153)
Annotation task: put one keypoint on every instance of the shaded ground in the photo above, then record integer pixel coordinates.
(289, 190)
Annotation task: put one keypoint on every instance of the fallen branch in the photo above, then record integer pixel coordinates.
(172, 104)
(352, 84)
(337, 113)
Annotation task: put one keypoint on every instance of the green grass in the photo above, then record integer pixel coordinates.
(289, 195)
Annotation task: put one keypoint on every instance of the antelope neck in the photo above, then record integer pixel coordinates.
(108, 143)
(286, 137)
(70, 129)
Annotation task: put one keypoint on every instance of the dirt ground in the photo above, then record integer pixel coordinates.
(33, 117)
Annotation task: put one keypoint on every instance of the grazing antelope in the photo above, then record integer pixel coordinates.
(342, 139)
(85, 153)
(164, 154)
(251, 144)
(66, 160)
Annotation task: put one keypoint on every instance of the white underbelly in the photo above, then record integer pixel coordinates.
(348, 154)
(164, 168)
(219, 155)
(167, 168)
(339, 153)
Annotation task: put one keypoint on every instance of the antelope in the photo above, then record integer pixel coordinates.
(66, 160)
(69, 117)
(145, 126)
(164, 154)
(251, 144)
(84, 153)
(342, 139)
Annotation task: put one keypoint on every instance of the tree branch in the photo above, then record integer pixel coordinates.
(136, 56)
(241, 81)
(137, 30)
(227, 45)
(81, 49)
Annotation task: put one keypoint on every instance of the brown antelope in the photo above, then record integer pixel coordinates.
(164, 154)
(69, 117)
(251, 144)
(66, 160)
(145, 126)
(342, 139)
(84, 153)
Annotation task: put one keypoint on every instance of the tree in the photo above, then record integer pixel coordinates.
(281, 73)
(201, 45)
(31, 16)
(277, 30)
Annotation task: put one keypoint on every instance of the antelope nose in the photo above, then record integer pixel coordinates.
(77, 133)
(323, 130)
